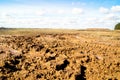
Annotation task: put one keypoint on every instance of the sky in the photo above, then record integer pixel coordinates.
(64, 14)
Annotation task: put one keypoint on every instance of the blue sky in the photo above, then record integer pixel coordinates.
(70, 14)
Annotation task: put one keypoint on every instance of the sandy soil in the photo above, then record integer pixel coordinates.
(84, 55)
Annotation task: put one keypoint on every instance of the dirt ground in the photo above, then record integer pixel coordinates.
(77, 55)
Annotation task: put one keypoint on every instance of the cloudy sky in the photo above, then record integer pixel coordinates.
(70, 14)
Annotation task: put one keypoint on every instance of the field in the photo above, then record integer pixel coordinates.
(58, 54)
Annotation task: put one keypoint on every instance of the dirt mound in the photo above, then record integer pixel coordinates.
(59, 57)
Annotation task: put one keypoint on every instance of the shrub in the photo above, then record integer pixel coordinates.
(117, 26)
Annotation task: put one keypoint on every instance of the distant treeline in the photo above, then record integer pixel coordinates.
(95, 29)
(98, 29)
(4, 28)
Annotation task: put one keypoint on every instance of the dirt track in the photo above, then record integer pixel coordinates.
(67, 56)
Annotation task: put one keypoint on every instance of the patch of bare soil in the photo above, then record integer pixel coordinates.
(59, 57)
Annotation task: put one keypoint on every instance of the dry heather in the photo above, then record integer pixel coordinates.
(79, 55)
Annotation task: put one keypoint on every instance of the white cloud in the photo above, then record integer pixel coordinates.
(57, 18)
(110, 17)
(104, 10)
(77, 11)
(61, 11)
(91, 19)
(115, 9)
(40, 12)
